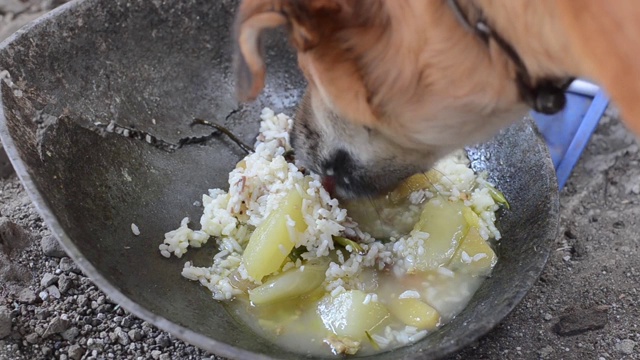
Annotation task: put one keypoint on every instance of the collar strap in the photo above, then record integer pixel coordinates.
(546, 95)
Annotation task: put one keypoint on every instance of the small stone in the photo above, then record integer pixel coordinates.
(95, 344)
(48, 279)
(626, 346)
(127, 322)
(43, 295)
(582, 321)
(75, 352)
(545, 352)
(82, 300)
(155, 354)
(64, 283)
(123, 338)
(67, 265)
(53, 291)
(548, 317)
(42, 314)
(32, 338)
(135, 334)
(51, 247)
(70, 334)
(5, 322)
(26, 296)
(56, 326)
(40, 330)
(165, 357)
(163, 341)
(46, 351)
(618, 225)
(102, 309)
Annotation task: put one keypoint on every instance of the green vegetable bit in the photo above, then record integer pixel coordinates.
(344, 242)
(498, 196)
(296, 253)
(374, 344)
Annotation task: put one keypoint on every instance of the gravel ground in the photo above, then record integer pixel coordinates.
(585, 305)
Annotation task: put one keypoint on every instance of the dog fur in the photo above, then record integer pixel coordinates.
(396, 84)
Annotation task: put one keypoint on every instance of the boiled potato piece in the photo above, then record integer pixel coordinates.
(415, 182)
(415, 312)
(347, 315)
(290, 284)
(446, 225)
(472, 218)
(474, 256)
(272, 242)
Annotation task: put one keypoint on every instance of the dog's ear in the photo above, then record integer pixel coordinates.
(305, 20)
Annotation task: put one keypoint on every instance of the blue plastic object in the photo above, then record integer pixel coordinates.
(567, 133)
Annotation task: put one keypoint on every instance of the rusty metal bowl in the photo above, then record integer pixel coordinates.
(154, 66)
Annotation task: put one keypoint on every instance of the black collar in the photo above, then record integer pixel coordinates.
(545, 95)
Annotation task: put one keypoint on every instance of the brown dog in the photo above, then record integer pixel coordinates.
(396, 84)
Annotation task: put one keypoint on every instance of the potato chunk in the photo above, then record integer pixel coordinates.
(472, 218)
(290, 284)
(446, 225)
(420, 181)
(474, 256)
(415, 312)
(272, 241)
(347, 314)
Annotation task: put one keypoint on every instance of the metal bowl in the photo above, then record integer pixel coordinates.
(152, 67)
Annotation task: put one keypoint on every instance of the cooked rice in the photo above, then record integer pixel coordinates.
(258, 188)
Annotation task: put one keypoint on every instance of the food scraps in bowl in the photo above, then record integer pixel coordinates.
(319, 277)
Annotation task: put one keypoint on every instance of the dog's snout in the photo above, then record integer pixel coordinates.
(339, 164)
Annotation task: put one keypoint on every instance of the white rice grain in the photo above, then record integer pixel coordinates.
(135, 230)
(409, 294)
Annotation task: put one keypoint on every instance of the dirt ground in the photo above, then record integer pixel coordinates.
(584, 306)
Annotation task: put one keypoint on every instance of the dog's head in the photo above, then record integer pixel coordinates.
(392, 86)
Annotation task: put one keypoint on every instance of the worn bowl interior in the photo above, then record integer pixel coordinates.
(151, 67)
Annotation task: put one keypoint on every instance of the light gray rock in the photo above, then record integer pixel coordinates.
(51, 247)
(5, 322)
(626, 346)
(48, 279)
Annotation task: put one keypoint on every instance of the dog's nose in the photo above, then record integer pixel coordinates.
(339, 165)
